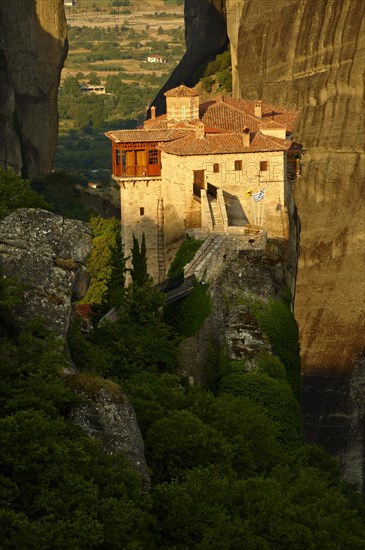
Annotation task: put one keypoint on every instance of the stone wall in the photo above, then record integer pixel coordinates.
(177, 188)
(136, 195)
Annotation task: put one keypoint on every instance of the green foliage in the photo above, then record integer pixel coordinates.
(276, 397)
(115, 293)
(213, 509)
(271, 366)
(60, 190)
(16, 192)
(182, 441)
(188, 315)
(139, 262)
(184, 255)
(10, 292)
(104, 232)
(57, 490)
(220, 70)
(278, 323)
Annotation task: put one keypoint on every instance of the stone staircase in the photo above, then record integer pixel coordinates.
(207, 257)
(218, 226)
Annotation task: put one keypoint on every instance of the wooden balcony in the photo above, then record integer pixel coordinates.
(134, 171)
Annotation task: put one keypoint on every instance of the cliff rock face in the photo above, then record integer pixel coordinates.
(205, 35)
(33, 47)
(309, 55)
(105, 413)
(47, 253)
(246, 275)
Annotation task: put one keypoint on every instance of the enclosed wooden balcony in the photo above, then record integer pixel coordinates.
(136, 160)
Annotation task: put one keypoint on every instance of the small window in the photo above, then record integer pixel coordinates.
(183, 112)
(263, 166)
(216, 168)
(117, 157)
(238, 164)
(141, 211)
(152, 156)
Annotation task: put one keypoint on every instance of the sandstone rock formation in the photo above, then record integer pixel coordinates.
(33, 47)
(309, 55)
(47, 253)
(205, 35)
(105, 413)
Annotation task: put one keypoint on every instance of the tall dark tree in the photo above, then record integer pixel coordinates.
(116, 280)
(139, 262)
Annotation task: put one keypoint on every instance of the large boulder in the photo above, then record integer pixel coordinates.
(104, 413)
(47, 254)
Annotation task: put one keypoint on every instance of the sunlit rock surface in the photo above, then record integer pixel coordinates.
(47, 254)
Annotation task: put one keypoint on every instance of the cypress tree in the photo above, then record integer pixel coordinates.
(116, 279)
(139, 262)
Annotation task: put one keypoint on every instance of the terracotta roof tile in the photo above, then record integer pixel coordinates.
(84, 311)
(215, 144)
(129, 136)
(215, 113)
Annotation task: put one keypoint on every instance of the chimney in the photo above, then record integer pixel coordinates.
(199, 130)
(246, 137)
(258, 108)
(153, 111)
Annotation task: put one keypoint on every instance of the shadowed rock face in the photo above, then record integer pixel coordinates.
(33, 47)
(205, 35)
(109, 417)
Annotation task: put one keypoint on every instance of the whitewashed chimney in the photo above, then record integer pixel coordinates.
(246, 137)
(258, 108)
(153, 111)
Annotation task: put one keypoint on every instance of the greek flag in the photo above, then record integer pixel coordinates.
(259, 196)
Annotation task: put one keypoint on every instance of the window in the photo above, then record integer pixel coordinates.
(183, 112)
(173, 112)
(216, 168)
(263, 166)
(152, 156)
(141, 211)
(117, 157)
(238, 164)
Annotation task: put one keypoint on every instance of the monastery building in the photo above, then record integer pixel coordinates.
(225, 166)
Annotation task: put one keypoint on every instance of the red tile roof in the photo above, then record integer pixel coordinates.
(84, 311)
(130, 136)
(181, 91)
(229, 114)
(215, 144)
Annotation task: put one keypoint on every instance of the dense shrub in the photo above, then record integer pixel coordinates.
(184, 255)
(278, 323)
